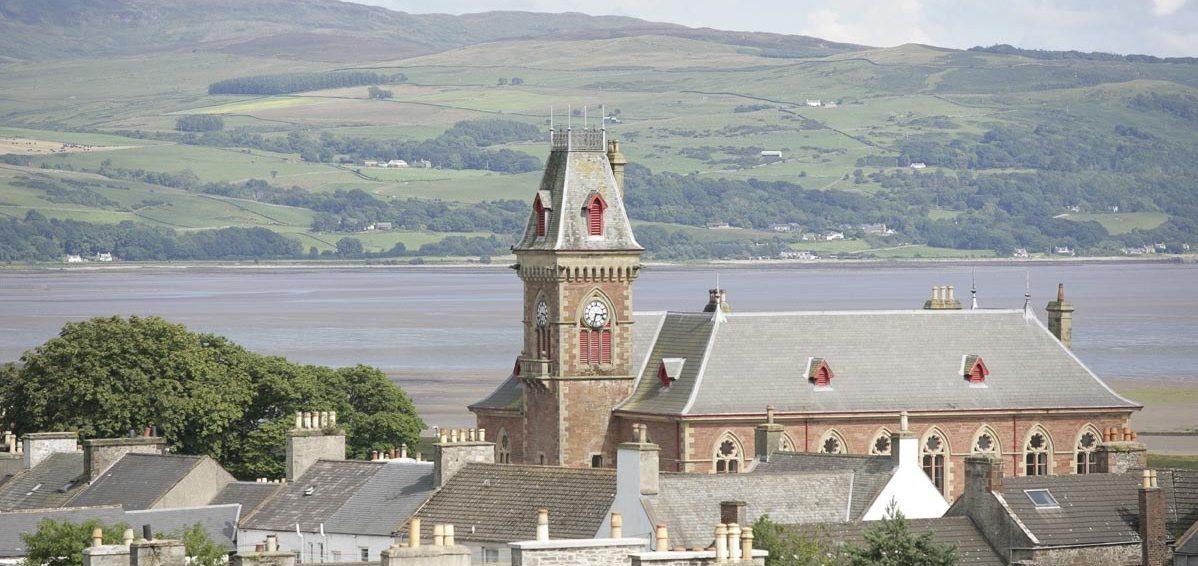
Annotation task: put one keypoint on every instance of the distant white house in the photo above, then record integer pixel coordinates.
(1020, 253)
(1063, 250)
(72, 258)
(1115, 208)
(720, 226)
(771, 153)
(105, 256)
(787, 227)
(814, 102)
(919, 165)
(397, 164)
(382, 225)
(425, 164)
(1073, 208)
(795, 254)
(370, 163)
(829, 236)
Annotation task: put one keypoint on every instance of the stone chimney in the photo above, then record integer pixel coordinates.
(157, 553)
(443, 552)
(618, 161)
(266, 554)
(457, 447)
(943, 298)
(315, 436)
(733, 512)
(1119, 451)
(717, 299)
(767, 438)
(101, 453)
(1154, 548)
(904, 446)
(37, 446)
(1060, 317)
(637, 464)
(983, 474)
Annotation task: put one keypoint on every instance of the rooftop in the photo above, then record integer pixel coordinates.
(137, 481)
(51, 483)
(972, 547)
(871, 473)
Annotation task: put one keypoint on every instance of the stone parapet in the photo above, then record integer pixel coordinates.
(576, 552)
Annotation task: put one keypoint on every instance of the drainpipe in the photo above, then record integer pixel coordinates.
(301, 537)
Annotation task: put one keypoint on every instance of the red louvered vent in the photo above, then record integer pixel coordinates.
(605, 346)
(584, 346)
(595, 210)
(975, 369)
(594, 346)
(539, 211)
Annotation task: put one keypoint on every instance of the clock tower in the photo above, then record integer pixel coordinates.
(577, 259)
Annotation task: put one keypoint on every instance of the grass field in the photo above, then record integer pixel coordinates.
(1172, 461)
(1123, 222)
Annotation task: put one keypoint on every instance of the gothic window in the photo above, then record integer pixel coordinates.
(1087, 456)
(504, 448)
(935, 454)
(881, 443)
(1037, 454)
(595, 207)
(540, 212)
(727, 455)
(786, 444)
(986, 442)
(832, 443)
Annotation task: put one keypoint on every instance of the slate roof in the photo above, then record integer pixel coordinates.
(348, 496)
(1181, 493)
(498, 503)
(51, 483)
(870, 473)
(15, 523)
(972, 547)
(689, 504)
(219, 521)
(137, 481)
(882, 360)
(1094, 508)
(1187, 543)
(570, 177)
(248, 494)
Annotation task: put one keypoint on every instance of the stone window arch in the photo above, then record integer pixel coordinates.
(787, 444)
(880, 445)
(1037, 452)
(728, 454)
(832, 442)
(1086, 450)
(935, 451)
(541, 213)
(594, 212)
(503, 449)
(985, 441)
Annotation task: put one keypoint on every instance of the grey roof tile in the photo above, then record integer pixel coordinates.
(1094, 508)
(314, 497)
(1181, 491)
(1187, 543)
(137, 481)
(248, 494)
(15, 523)
(972, 547)
(915, 354)
(498, 503)
(51, 483)
(386, 501)
(689, 504)
(871, 473)
(219, 521)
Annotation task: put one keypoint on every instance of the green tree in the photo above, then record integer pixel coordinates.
(61, 543)
(890, 542)
(206, 394)
(350, 247)
(200, 547)
(790, 549)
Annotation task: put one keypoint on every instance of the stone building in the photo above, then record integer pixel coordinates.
(989, 381)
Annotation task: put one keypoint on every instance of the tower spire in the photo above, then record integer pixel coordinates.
(973, 290)
(1027, 292)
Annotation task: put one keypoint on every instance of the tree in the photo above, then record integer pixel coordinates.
(502, 81)
(789, 549)
(199, 123)
(200, 547)
(207, 395)
(891, 543)
(516, 81)
(350, 247)
(61, 543)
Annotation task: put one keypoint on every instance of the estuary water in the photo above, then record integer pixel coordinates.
(449, 335)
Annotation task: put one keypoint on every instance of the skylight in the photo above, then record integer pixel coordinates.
(1042, 499)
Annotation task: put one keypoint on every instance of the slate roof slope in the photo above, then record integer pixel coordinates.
(498, 503)
(1181, 492)
(249, 494)
(386, 501)
(681, 335)
(1187, 543)
(1094, 508)
(51, 483)
(136, 481)
(871, 473)
(916, 354)
(972, 547)
(689, 504)
(332, 483)
(15, 523)
(219, 521)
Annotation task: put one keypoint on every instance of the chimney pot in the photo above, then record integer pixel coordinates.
(663, 538)
(147, 533)
(299, 420)
(617, 525)
(332, 418)
(403, 450)
(482, 435)
(542, 524)
(272, 543)
(449, 535)
(438, 535)
(734, 542)
(414, 532)
(746, 544)
(721, 543)
(949, 290)
(97, 536)
(127, 537)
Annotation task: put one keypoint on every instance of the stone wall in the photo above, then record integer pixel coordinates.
(596, 552)
(1082, 556)
(198, 487)
(496, 423)
(696, 558)
(455, 555)
(305, 447)
(37, 446)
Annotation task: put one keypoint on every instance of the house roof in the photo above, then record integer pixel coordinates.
(15, 523)
(1093, 508)
(137, 481)
(870, 473)
(883, 360)
(1181, 492)
(972, 547)
(219, 521)
(347, 496)
(689, 504)
(248, 494)
(498, 503)
(51, 483)
(1187, 543)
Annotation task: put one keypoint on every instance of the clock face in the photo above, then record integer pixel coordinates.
(595, 314)
(542, 314)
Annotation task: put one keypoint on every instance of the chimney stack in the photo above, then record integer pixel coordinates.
(37, 446)
(101, 453)
(638, 464)
(943, 298)
(542, 524)
(315, 437)
(456, 448)
(617, 160)
(1154, 549)
(1060, 317)
(767, 438)
(717, 299)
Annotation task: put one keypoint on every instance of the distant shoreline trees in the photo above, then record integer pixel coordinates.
(199, 123)
(287, 83)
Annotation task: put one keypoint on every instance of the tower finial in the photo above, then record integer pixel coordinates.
(973, 290)
(550, 118)
(603, 117)
(1027, 292)
(584, 116)
(569, 117)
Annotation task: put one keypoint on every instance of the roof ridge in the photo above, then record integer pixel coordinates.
(595, 471)
(58, 509)
(846, 312)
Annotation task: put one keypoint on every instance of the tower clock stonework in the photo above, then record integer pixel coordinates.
(577, 259)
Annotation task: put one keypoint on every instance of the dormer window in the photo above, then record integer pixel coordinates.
(594, 212)
(974, 369)
(819, 372)
(669, 370)
(516, 368)
(541, 214)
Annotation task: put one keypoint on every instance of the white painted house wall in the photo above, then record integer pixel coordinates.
(910, 488)
(337, 547)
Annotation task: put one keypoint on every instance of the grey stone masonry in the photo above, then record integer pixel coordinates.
(38, 446)
(456, 448)
(315, 437)
(693, 558)
(157, 553)
(264, 558)
(456, 555)
(106, 555)
(1120, 456)
(101, 453)
(576, 552)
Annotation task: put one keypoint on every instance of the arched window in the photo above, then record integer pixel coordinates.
(727, 455)
(986, 442)
(595, 208)
(786, 444)
(1087, 455)
(538, 210)
(880, 446)
(935, 455)
(832, 443)
(504, 448)
(1037, 453)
